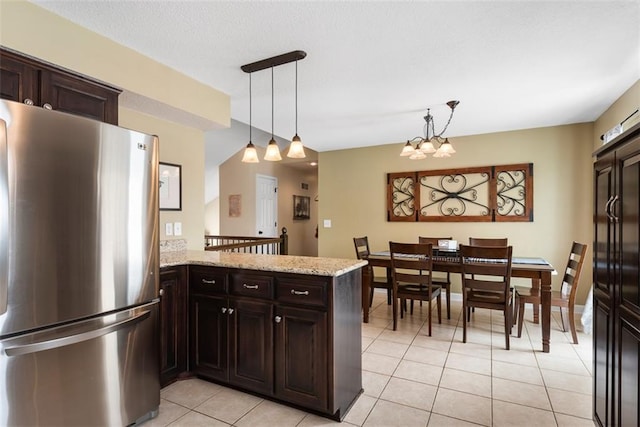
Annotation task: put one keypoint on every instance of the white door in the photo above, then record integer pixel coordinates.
(266, 206)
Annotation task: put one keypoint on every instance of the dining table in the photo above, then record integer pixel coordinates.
(537, 269)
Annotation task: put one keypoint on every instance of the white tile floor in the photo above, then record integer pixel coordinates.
(411, 379)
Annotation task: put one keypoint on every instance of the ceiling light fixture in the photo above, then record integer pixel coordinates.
(250, 153)
(425, 145)
(296, 149)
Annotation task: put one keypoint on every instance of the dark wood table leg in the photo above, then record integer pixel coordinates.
(535, 286)
(545, 299)
(366, 283)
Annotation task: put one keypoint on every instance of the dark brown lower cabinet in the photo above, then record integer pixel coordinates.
(173, 323)
(301, 356)
(293, 338)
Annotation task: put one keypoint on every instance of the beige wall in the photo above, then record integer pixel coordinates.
(212, 216)
(240, 178)
(617, 112)
(61, 42)
(353, 194)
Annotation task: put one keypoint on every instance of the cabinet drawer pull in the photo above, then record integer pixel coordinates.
(208, 282)
(47, 106)
(231, 311)
(244, 285)
(224, 310)
(294, 292)
(28, 101)
(278, 319)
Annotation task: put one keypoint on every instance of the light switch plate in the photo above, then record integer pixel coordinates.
(177, 229)
(168, 229)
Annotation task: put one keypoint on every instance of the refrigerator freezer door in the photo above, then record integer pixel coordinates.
(102, 371)
(4, 219)
(83, 218)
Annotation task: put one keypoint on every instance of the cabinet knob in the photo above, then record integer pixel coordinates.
(278, 319)
(28, 101)
(161, 292)
(47, 106)
(224, 309)
(230, 311)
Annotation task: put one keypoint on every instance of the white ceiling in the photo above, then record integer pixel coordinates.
(373, 68)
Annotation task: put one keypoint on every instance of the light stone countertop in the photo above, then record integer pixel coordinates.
(314, 266)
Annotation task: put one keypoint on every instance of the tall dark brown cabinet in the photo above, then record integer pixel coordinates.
(28, 80)
(616, 279)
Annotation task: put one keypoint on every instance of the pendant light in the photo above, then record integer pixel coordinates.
(250, 153)
(273, 152)
(296, 149)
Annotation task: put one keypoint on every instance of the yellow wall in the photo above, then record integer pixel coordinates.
(184, 146)
(353, 194)
(240, 178)
(34, 31)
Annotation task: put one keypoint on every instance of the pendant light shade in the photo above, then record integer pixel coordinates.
(296, 149)
(273, 151)
(250, 154)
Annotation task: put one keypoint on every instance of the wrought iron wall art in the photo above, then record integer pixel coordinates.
(480, 194)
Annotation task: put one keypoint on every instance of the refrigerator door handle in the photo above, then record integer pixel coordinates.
(4, 219)
(20, 350)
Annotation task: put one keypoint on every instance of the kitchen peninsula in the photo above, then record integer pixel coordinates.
(284, 327)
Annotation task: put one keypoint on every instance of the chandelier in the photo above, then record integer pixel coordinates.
(296, 149)
(431, 143)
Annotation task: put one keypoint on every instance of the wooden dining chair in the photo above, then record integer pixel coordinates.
(411, 269)
(362, 252)
(486, 282)
(442, 280)
(565, 297)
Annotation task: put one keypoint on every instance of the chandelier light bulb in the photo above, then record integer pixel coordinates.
(407, 150)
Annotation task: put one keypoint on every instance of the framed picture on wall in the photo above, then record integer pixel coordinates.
(170, 192)
(301, 207)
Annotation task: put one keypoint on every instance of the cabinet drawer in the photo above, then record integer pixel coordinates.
(296, 291)
(252, 285)
(204, 280)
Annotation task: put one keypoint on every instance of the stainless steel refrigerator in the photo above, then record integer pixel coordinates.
(78, 270)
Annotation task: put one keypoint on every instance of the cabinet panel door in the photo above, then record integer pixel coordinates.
(18, 81)
(251, 345)
(173, 324)
(208, 337)
(628, 395)
(301, 357)
(73, 95)
(602, 361)
(603, 245)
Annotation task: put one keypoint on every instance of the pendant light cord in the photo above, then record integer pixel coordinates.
(272, 103)
(296, 97)
(250, 127)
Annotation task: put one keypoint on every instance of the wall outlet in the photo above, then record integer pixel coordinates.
(168, 229)
(327, 223)
(177, 229)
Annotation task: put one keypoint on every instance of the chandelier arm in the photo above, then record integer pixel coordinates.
(445, 126)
